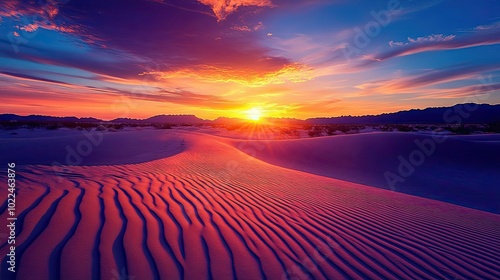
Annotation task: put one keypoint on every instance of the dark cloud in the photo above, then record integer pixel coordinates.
(30, 77)
(130, 37)
(181, 97)
(428, 78)
(443, 75)
(179, 34)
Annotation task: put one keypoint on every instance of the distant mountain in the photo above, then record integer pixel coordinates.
(176, 119)
(126, 120)
(40, 118)
(463, 113)
(284, 121)
(171, 119)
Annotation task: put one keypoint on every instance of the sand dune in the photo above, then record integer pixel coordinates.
(214, 212)
(463, 170)
(73, 147)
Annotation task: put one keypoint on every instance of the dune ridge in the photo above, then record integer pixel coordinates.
(213, 212)
(462, 170)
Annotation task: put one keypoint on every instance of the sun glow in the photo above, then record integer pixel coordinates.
(254, 114)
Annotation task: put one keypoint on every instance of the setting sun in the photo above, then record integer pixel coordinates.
(254, 114)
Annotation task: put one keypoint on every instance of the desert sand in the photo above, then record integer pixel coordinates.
(208, 207)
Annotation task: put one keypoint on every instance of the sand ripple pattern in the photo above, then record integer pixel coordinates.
(213, 212)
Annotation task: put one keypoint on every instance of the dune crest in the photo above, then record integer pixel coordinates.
(212, 212)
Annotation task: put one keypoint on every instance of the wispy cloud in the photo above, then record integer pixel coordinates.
(462, 92)
(484, 36)
(420, 40)
(44, 14)
(414, 83)
(495, 25)
(32, 78)
(247, 28)
(184, 97)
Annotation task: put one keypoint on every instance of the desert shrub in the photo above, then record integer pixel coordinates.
(71, 125)
(292, 131)
(307, 127)
(344, 128)
(385, 128)
(87, 126)
(315, 131)
(33, 125)
(404, 128)
(54, 126)
(330, 130)
(461, 129)
(493, 127)
(100, 128)
(163, 126)
(116, 126)
(7, 125)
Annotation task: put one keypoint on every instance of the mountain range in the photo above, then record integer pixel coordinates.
(460, 113)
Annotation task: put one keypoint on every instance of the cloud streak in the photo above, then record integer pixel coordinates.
(429, 78)
(439, 42)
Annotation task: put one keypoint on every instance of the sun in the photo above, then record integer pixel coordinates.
(254, 114)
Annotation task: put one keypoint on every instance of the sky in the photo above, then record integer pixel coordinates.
(211, 58)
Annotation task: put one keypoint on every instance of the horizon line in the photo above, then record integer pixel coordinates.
(236, 118)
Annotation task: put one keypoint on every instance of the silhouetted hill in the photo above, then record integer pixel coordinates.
(126, 120)
(171, 119)
(284, 121)
(175, 119)
(40, 118)
(464, 113)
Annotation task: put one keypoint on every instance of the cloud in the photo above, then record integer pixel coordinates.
(495, 25)
(430, 38)
(461, 92)
(177, 35)
(415, 83)
(223, 8)
(247, 28)
(273, 72)
(106, 62)
(15, 8)
(31, 17)
(483, 37)
(183, 97)
(36, 88)
(32, 78)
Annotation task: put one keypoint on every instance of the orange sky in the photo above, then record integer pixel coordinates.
(214, 58)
